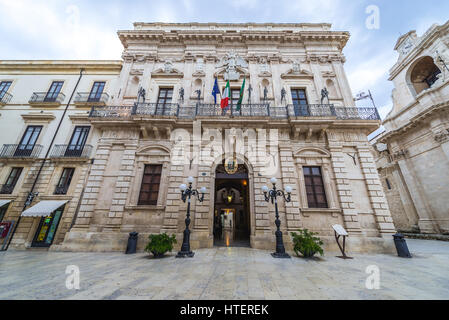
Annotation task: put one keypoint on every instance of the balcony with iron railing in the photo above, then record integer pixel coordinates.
(5, 98)
(71, 151)
(245, 110)
(89, 99)
(6, 188)
(61, 189)
(45, 98)
(20, 151)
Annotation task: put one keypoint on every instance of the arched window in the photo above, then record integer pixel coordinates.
(423, 74)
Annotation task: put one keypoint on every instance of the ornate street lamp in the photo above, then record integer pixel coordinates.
(272, 195)
(186, 194)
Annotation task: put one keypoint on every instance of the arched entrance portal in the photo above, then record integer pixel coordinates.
(231, 207)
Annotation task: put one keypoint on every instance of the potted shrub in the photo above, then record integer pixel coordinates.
(306, 243)
(160, 244)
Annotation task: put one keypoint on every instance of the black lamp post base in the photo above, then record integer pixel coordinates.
(185, 254)
(280, 255)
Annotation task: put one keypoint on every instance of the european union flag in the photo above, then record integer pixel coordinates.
(216, 90)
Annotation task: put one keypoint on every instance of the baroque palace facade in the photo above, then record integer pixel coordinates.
(412, 155)
(110, 145)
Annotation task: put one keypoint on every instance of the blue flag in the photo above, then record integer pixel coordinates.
(216, 90)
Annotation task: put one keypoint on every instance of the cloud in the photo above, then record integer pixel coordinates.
(56, 31)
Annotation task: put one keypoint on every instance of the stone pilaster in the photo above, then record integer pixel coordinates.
(290, 178)
(375, 192)
(94, 183)
(122, 186)
(350, 217)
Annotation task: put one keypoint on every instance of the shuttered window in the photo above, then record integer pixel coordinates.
(316, 196)
(149, 190)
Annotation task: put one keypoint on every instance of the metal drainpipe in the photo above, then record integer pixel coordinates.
(46, 157)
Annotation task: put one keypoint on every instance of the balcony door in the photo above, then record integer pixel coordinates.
(77, 142)
(53, 93)
(28, 141)
(165, 97)
(299, 99)
(96, 92)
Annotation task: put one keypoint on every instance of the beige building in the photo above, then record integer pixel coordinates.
(413, 153)
(160, 124)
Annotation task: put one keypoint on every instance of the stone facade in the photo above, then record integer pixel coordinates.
(412, 155)
(271, 135)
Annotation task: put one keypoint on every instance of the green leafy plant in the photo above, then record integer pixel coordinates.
(306, 243)
(160, 244)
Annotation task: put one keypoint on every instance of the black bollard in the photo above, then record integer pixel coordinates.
(132, 243)
(401, 246)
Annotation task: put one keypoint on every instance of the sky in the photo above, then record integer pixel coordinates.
(70, 29)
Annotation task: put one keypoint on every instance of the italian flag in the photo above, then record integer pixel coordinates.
(226, 96)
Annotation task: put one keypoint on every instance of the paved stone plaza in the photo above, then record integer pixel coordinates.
(226, 273)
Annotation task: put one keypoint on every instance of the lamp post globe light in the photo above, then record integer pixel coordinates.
(271, 195)
(186, 194)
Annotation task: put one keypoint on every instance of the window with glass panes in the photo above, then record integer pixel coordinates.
(77, 142)
(64, 181)
(14, 175)
(54, 90)
(4, 87)
(97, 90)
(149, 190)
(316, 196)
(28, 141)
(165, 97)
(299, 100)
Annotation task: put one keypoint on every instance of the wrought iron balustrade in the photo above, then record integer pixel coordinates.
(246, 110)
(348, 113)
(71, 151)
(5, 97)
(45, 97)
(6, 188)
(111, 112)
(20, 151)
(87, 97)
(156, 109)
(311, 110)
(61, 189)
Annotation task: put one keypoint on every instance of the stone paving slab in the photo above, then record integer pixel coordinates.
(226, 273)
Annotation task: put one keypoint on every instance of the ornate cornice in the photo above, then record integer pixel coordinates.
(232, 34)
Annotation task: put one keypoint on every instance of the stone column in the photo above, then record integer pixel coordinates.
(376, 194)
(425, 223)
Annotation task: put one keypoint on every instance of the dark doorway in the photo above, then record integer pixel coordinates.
(231, 210)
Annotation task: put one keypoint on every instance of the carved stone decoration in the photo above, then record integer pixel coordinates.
(400, 155)
(168, 66)
(167, 70)
(296, 67)
(441, 59)
(442, 136)
(264, 67)
(232, 64)
(136, 72)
